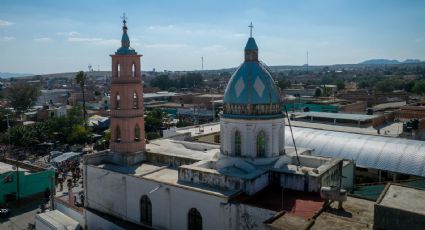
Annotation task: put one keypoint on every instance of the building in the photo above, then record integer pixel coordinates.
(178, 184)
(400, 206)
(25, 182)
(127, 124)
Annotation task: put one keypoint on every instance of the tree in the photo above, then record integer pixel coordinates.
(22, 96)
(80, 78)
(284, 83)
(419, 87)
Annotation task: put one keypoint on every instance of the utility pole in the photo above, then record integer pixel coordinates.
(17, 180)
(52, 193)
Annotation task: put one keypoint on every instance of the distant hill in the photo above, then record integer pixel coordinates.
(9, 75)
(388, 62)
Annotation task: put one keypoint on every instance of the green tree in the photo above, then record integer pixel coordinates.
(79, 135)
(81, 78)
(22, 96)
(284, 83)
(419, 87)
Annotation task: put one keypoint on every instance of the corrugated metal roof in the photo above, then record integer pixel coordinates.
(385, 153)
(343, 116)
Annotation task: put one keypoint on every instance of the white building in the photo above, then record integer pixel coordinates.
(188, 185)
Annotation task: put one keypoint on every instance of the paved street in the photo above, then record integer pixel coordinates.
(20, 217)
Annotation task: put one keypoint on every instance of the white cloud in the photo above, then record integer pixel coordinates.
(45, 39)
(73, 33)
(159, 27)
(7, 39)
(68, 34)
(95, 41)
(4, 23)
(165, 45)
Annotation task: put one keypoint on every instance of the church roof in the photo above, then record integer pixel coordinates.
(251, 83)
(125, 48)
(251, 44)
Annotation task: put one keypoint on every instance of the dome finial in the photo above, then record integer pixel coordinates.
(124, 18)
(250, 30)
(125, 40)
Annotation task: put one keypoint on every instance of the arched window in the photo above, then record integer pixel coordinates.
(194, 220)
(135, 101)
(117, 101)
(145, 210)
(261, 144)
(137, 133)
(118, 70)
(237, 143)
(117, 134)
(133, 70)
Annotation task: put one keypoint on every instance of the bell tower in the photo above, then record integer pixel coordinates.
(127, 124)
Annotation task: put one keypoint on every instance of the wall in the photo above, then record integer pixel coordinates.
(355, 107)
(391, 218)
(212, 178)
(72, 213)
(29, 183)
(247, 217)
(121, 195)
(273, 128)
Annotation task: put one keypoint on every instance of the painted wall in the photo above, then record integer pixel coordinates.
(29, 183)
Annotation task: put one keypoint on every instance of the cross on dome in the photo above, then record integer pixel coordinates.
(250, 30)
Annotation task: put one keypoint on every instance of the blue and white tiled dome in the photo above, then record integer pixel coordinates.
(251, 91)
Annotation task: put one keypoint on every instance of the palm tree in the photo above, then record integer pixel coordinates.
(80, 78)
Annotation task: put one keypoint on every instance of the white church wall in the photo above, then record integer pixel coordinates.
(119, 195)
(104, 191)
(249, 129)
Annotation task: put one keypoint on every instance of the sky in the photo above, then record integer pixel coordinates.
(51, 36)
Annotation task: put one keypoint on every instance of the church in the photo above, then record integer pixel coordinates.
(177, 183)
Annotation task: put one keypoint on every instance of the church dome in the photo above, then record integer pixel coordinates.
(251, 91)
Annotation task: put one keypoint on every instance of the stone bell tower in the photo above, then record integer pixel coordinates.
(127, 123)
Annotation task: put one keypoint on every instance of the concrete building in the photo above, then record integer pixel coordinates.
(23, 183)
(400, 206)
(178, 184)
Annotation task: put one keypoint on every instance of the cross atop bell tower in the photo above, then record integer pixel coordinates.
(250, 30)
(127, 124)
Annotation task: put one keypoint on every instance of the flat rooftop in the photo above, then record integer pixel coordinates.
(185, 149)
(200, 129)
(165, 175)
(301, 204)
(338, 116)
(4, 168)
(58, 220)
(404, 198)
(357, 214)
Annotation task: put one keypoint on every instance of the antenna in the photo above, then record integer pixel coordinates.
(292, 134)
(307, 61)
